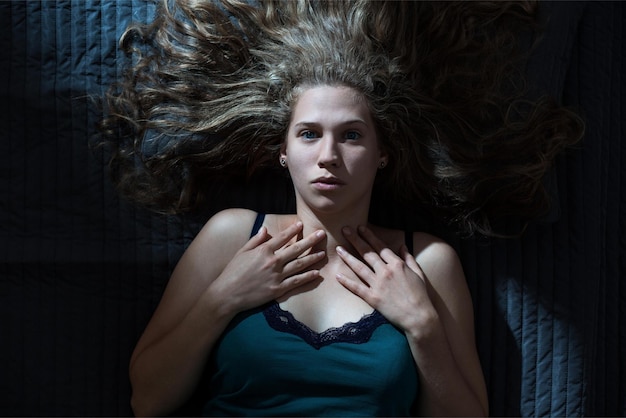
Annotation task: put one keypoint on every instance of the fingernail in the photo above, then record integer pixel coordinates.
(320, 233)
(340, 249)
(346, 230)
(361, 228)
(299, 224)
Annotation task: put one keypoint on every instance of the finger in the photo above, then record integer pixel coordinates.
(285, 236)
(257, 239)
(357, 266)
(355, 286)
(369, 254)
(299, 247)
(371, 238)
(410, 261)
(297, 280)
(385, 253)
(302, 263)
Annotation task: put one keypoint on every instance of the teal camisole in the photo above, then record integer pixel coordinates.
(267, 363)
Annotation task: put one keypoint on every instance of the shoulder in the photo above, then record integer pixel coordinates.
(228, 230)
(225, 232)
(230, 220)
(440, 263)
(436, 257)
(446, 283)
(238, 223)
(433, 251)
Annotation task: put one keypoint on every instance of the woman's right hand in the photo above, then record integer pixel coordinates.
(220, 275)
(267, 267)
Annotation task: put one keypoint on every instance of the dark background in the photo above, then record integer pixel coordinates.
(81, 271)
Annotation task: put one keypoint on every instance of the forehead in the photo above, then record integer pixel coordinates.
(330, 103)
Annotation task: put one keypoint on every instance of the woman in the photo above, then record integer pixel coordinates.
(320, 312)
(311, 264)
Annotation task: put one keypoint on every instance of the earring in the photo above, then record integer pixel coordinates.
(283, 162)
(382, 165)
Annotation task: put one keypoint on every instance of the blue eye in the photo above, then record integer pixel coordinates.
(308, 134)
(352, 135)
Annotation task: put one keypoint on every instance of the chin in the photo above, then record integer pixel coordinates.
(329, 206)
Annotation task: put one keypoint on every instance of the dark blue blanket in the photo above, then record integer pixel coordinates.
(81, 271)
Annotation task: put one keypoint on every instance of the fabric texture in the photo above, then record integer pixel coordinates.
(81, 271)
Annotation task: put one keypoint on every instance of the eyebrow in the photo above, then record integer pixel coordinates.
(348, 122)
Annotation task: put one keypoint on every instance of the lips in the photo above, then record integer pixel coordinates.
(327, 183)
(328, 180)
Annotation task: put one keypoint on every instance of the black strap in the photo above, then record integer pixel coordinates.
(408, 240)
(260, 217)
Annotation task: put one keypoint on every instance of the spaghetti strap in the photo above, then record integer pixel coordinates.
(408, 240)
(260, 217)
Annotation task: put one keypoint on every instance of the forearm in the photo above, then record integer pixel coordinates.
(443, 389)
(165, 373)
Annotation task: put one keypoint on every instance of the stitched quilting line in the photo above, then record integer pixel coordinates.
(352, 332)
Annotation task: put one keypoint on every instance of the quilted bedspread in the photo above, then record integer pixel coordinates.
(81, 271)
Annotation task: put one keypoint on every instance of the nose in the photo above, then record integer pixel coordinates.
(329, 152)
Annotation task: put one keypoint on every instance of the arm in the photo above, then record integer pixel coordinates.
(219, 275)
(446, 354)
(433, 309)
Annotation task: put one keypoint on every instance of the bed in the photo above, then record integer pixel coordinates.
(81, 270)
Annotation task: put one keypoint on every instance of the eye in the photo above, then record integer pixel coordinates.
(308, 134)
(352, 135)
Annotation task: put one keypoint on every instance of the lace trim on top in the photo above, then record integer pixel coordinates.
(352, 332)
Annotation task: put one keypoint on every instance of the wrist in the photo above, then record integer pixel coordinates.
(426, 326)
(220, 307)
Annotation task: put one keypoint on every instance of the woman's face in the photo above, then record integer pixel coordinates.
(331, 149)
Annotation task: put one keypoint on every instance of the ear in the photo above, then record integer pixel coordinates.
(282, 158)
(384, 158)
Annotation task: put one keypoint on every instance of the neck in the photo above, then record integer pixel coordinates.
(332, 224)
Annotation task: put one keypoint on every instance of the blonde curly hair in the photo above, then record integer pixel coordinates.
(212, 85)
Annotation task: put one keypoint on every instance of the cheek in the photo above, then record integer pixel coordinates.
(297, 161)
(297, 157)
(365, 162)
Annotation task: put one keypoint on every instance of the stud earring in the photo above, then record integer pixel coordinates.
(283, 162)
(382, 165)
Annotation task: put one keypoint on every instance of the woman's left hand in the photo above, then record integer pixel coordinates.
(392, 284)
(435, 313)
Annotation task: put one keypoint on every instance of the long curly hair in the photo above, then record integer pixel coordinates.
(211, 87)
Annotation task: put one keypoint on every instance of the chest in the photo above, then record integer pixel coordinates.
(325, 304)
(264, 365)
